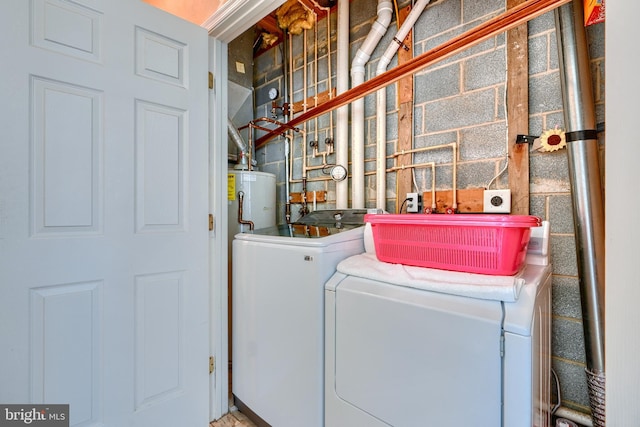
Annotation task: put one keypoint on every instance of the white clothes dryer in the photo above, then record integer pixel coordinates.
(404, 356)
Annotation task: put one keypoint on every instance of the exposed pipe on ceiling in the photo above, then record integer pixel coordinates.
(497, 25)
(378, 29)
(327, 11)
(381, 102)
(586, 190)
(342, 113)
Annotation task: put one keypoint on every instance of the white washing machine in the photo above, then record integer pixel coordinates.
(405, 355)
(278, 314)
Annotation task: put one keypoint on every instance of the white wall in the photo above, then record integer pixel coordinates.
(622, 204)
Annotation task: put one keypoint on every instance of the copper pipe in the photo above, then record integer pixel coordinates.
(252, 123)
(414, 166)
(453, 147)
(510, 19)
(240, 202)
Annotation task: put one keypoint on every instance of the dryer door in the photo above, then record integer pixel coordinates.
(409, 357)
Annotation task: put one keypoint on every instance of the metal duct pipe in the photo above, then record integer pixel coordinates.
(586, 189)
(235, 136)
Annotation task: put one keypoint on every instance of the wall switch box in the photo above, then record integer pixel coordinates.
(497, 201)
(413, 203)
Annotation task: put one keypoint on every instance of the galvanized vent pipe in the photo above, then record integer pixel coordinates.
(235, 136)
(586, 189)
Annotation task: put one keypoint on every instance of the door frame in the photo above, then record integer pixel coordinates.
(218, 256)
(228, 22)
(234, 17)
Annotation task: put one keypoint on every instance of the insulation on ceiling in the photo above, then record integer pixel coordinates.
(294, 17)
(268, 40)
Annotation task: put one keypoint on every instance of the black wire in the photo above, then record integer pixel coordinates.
(402, 205)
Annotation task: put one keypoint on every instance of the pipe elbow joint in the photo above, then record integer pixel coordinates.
(357, 74)
(380, 26)
(359, 60)
(385, 12)
(385, 5)
(383, 64)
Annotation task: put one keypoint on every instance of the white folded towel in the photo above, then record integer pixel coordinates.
(499, 288)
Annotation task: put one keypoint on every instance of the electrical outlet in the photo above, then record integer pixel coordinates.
(497, 201)
(413, 203)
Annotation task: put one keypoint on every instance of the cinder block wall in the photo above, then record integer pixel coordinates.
(462, 100)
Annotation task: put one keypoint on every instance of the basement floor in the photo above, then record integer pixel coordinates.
(233, 419)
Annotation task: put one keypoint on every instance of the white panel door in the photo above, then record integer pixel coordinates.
(103, 212)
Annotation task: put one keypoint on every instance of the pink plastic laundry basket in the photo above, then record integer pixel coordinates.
(473, 243)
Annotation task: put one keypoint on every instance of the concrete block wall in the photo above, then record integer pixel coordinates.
(462, 100)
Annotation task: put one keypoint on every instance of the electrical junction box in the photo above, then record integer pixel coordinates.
(497, 201)
(413, 203)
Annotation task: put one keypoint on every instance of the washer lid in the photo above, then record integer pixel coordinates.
(334, 217)
(290, 235)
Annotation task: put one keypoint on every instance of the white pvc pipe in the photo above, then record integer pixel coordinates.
(381, 102)
(378, 29)
(342, 113)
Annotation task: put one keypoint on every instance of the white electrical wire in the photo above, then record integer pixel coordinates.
(506, 164)
(413, 178)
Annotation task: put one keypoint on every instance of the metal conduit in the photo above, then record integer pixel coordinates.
(586, 190)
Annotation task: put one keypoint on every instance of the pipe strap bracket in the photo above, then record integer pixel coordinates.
(401, 43)
(581, 135)
(526, 139)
